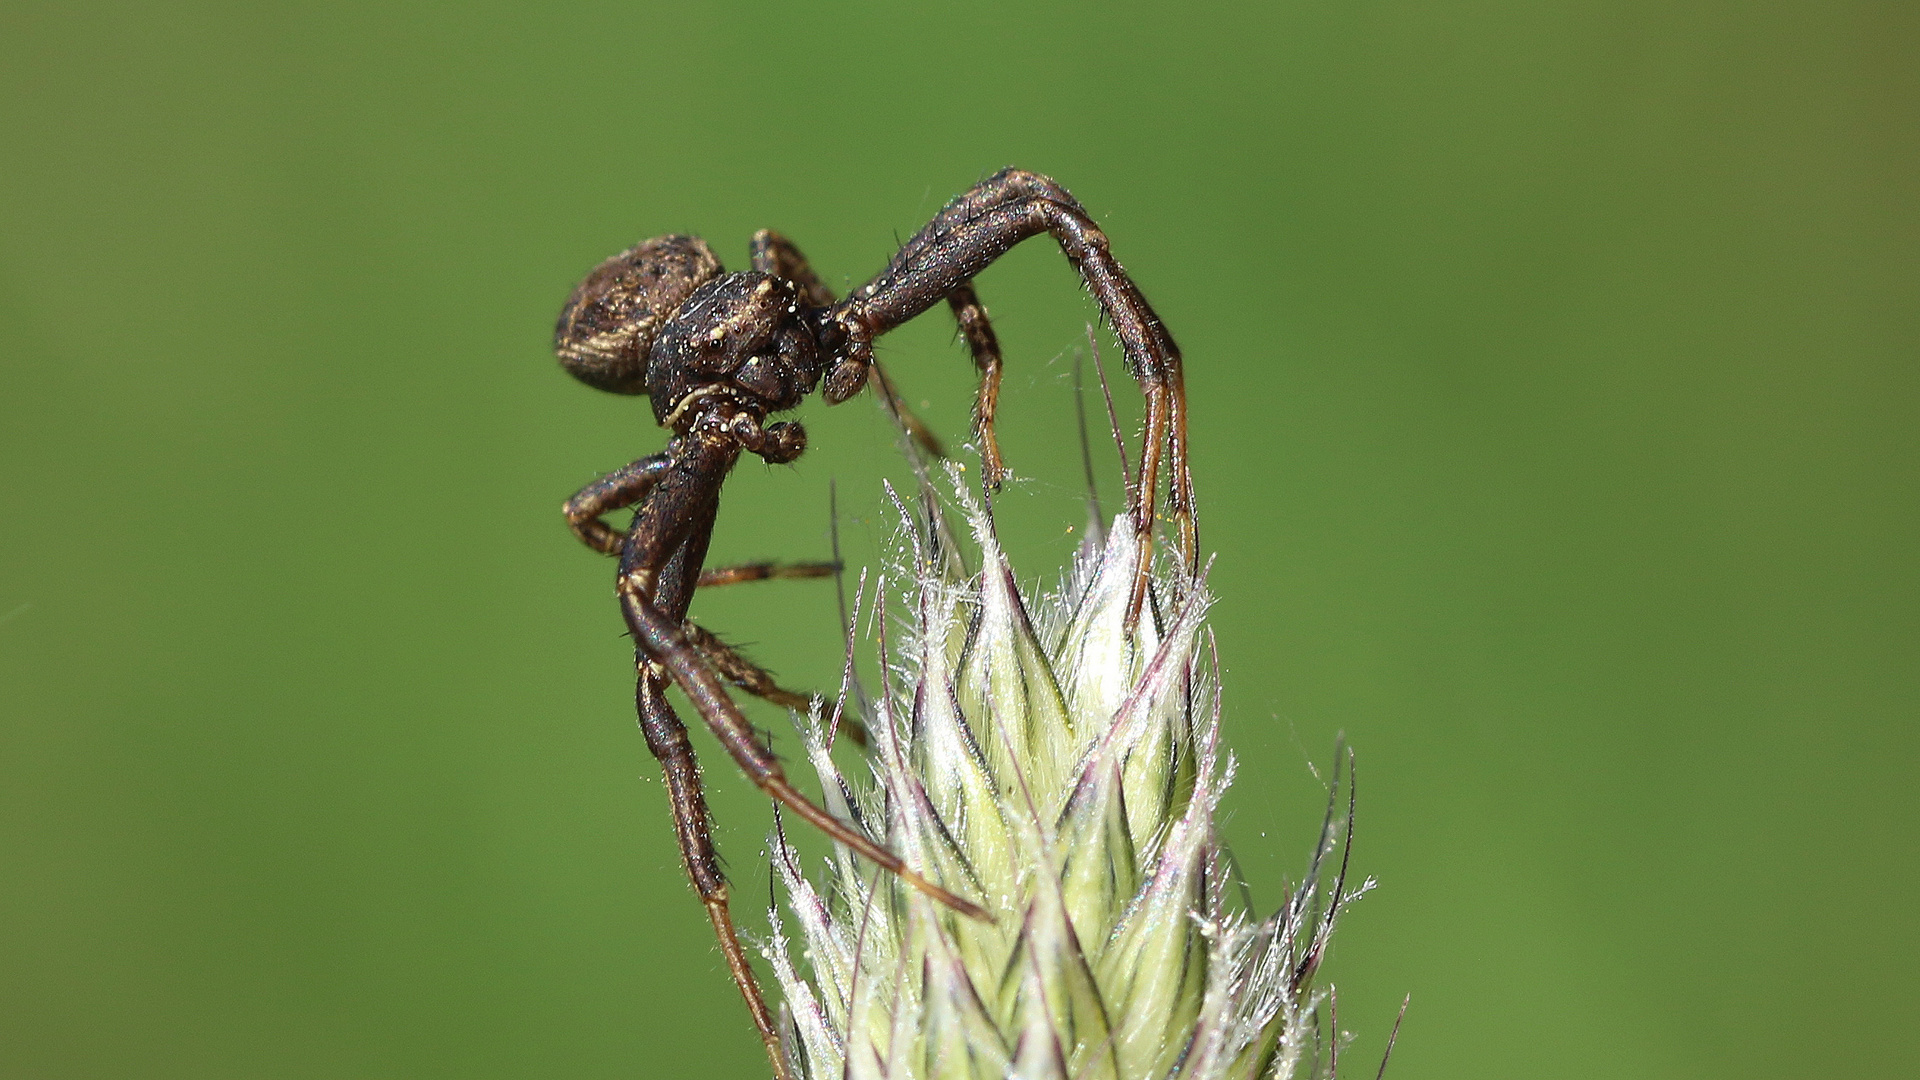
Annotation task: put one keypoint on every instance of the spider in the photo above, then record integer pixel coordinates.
(717, 353)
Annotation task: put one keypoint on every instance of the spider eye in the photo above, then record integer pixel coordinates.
(610, 321)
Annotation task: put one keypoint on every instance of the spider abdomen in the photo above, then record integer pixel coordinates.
(612, 319)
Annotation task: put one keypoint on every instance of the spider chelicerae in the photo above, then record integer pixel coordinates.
(717, 353)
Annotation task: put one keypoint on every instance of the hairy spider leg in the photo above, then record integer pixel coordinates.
(748, 677)
(659, 568)
(743, 674)
(629, 485)
(740, 672)
(693, 828)
(669, 534)
(615, 491)
(984, 344)
(903, 416)
(962, 240)
(714, 576)
(665, 733)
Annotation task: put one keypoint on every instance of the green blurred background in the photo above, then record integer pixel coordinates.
(1553, 374)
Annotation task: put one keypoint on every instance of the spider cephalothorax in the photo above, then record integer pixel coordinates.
(717, 353)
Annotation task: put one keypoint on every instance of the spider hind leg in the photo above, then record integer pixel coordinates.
(693, 828)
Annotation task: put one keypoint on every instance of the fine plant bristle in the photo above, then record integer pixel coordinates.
(1036, 757)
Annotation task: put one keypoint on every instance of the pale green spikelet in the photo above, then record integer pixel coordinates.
(1064, 772)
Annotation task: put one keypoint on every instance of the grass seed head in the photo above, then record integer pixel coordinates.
(1035, 755)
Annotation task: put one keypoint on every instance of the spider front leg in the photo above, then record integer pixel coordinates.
(966, 237)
